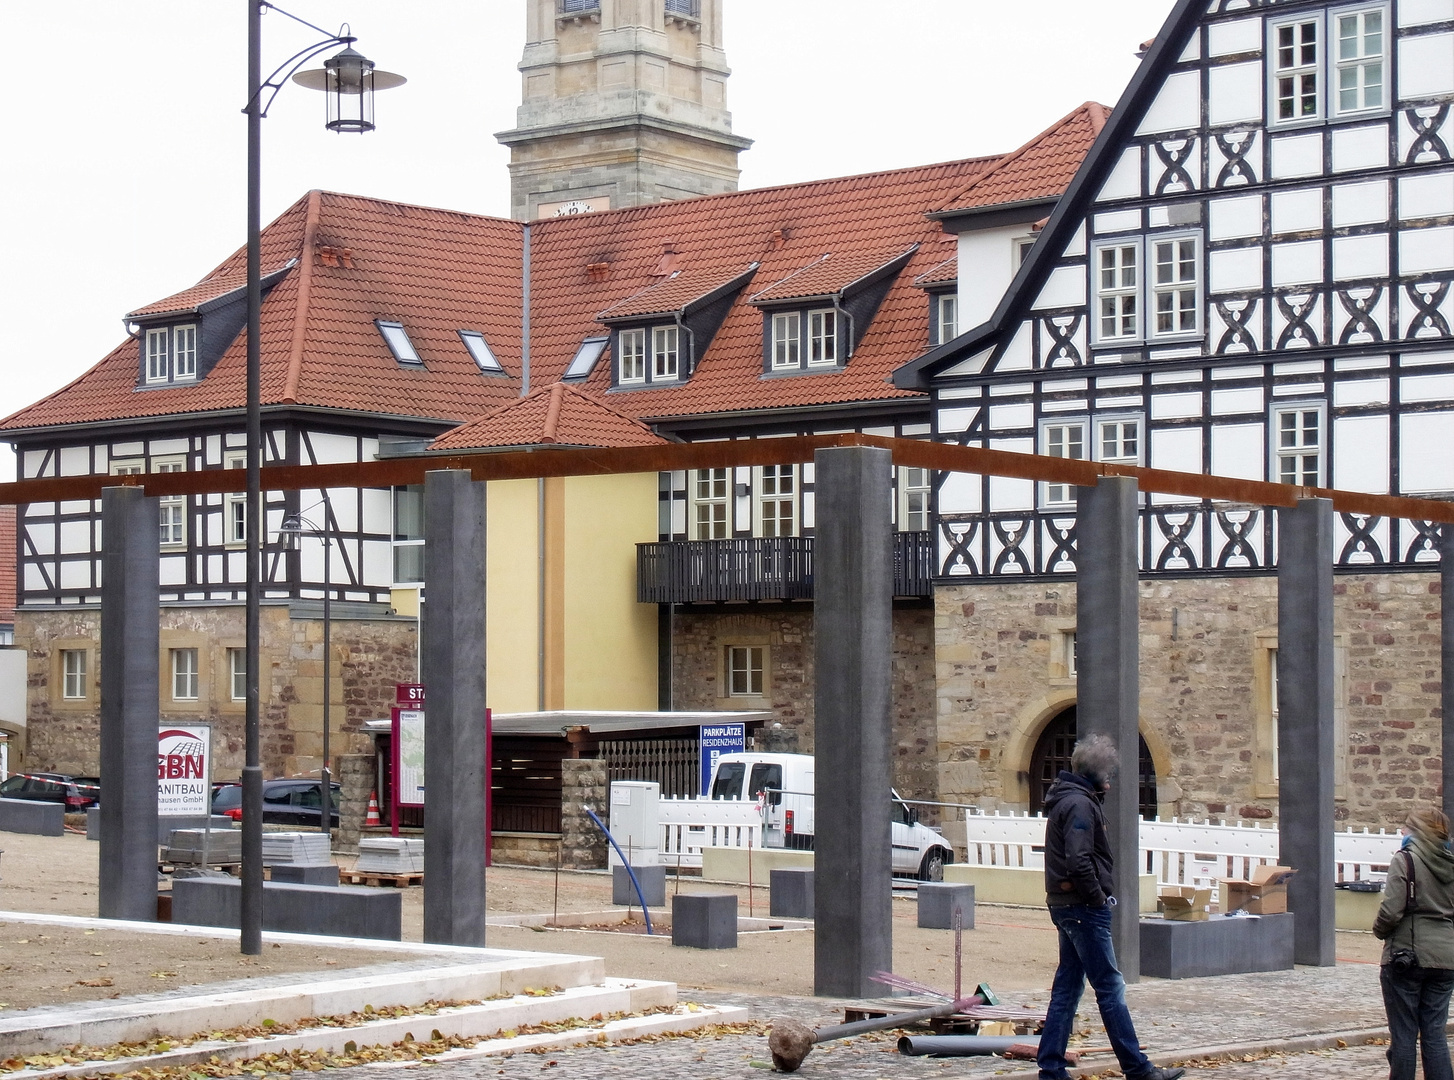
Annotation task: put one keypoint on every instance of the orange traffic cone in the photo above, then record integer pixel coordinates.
(373, 814)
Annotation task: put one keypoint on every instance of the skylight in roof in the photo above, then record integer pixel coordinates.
(397, 339)
(479, 348)
(586, 357)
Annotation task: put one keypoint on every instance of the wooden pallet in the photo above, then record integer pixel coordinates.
(400, 881)
(167, 867)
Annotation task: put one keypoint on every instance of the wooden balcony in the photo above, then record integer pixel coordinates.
(760, 568)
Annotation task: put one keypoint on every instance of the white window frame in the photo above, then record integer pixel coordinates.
(1105, 426)
(237, 674)
(823, 337)
(184, 352)
(1329, 65)
(159, 355)
(171, 509)
(127, 466)
(73, 675)
(234, 506)
(1358, 65)
(1297, 71)
(1021, 249)
(1175, 287)
(410, 541)
(1278, 452)
(185, 679)
(1061, 494)
(750, 662)
(666, 353)
(776, 505)
(715, 499)
(916, 488)
(631, 350)
(946, 317)
(787, 341)
(1119, 292)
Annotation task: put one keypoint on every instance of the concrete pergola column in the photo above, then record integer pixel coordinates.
(853, 632)
(453, 666)
(1108, 684)
(130, 651)
(1446, 699)
(1305, 687)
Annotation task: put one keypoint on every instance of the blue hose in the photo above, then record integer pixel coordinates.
(626, 863)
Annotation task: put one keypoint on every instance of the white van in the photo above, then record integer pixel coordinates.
(782, 785)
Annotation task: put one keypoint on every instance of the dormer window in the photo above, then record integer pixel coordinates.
(171, 354)
(943, 317)
(480, 352)
(665, 341)
(397, 339)
(649, 354)
(822, 337)
(803, 340)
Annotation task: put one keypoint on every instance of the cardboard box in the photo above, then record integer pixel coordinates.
(1265, 893)
(1184, 903)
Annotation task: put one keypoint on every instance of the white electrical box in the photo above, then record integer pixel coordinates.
(635, 810)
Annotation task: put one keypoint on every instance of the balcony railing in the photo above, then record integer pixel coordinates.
(760, 568)
(692, 9)
(571, 7)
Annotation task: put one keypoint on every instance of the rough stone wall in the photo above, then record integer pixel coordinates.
(698, 644)
(369, 657)
(1000, 679)
(355, 781)
(583, 783)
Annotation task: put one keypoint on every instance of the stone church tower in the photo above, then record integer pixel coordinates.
(625, 103)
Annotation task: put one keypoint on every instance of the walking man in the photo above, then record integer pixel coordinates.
(1078, 886)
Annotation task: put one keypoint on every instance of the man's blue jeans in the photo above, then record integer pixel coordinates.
(1417, 1004)
(1086, 953)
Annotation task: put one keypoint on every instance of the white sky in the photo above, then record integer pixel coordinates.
(122, 143)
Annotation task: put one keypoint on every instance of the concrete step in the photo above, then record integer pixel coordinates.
(484, 1020)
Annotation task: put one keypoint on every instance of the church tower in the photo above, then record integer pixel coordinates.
(625, 103)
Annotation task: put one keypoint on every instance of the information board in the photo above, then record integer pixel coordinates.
(184, 770)
(408, 757)
(716, 740)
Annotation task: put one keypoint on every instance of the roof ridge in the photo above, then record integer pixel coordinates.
(1091, 109)
(305, 293)
(602, 404)
(325, 193)
(552, 413)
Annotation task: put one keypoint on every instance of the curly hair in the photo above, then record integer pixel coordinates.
(1095, 757)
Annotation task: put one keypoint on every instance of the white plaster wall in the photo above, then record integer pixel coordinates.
(12, 688)
(1177, 107)
(1425, 465)
(986, 267)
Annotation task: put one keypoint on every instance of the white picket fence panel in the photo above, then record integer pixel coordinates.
(689, 825)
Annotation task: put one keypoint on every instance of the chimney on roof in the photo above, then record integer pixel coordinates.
(597, 271)
(779, 238)
(668, 261)
(327, 255)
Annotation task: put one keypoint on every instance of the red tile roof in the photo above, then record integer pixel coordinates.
(438, 272)
(189, 300)
(7, 564)
(943, 274)
(557, 414)
(1042, 168)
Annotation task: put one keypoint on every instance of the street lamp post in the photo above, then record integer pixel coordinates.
(296, 526)
(350, 82)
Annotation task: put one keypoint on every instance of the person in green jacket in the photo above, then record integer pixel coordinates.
(1417, 928)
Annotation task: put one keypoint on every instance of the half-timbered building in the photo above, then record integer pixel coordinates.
(1249, 276)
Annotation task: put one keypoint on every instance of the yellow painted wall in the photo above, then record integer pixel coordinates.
(610, 639)
(512, 620)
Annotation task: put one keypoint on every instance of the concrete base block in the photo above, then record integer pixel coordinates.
(792, 893)
(93, 823)
(35, 818)
(937, 901)
(1022, 885)
(167, 825)
(1216, 946)
(652, 880)
(704, 920)
(305, 875)
(732, 864)
(340, 911)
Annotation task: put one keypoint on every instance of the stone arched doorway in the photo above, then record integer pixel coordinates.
(1052, 754)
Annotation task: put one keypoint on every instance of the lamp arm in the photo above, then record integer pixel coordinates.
(297, 60)
(265, 6)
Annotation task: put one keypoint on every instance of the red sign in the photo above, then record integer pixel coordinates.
(409, 695)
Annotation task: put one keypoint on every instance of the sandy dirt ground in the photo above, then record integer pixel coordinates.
(1010, 948)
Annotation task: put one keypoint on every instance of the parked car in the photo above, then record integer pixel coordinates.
(76, 792)
(295, 801)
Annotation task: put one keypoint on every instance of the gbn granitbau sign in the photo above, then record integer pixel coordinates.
(184, 770)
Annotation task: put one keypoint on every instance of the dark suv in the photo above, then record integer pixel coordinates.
(75, 792)
(285, 802)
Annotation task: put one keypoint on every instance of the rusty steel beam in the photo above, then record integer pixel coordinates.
(918, 453)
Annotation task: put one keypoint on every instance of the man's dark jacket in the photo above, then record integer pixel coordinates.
(1077, 846)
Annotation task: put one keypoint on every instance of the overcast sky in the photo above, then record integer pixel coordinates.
(122, 143)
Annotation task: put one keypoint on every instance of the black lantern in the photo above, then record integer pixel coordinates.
(349, 79)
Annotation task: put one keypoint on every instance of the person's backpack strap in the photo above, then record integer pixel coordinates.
(1409, 882)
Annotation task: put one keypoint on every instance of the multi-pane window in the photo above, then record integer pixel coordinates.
(822, 337)
(710, 491)
(631, 344)
(946, 318)
(777, 497)
(1062, 441)
(237, 673)
(787, 340)
(1118, 288)
(1120, 442)
(236, 506)
(1359, 67)
(1295, 70)
(409, 534)
(914, 487)
(664, 340)
(73, 674)
(744, 670)
(184, 352)
(172, 508)
(184, 674)
(158, 351)
(1298, 441)
(170, 353)
(1174, 286)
